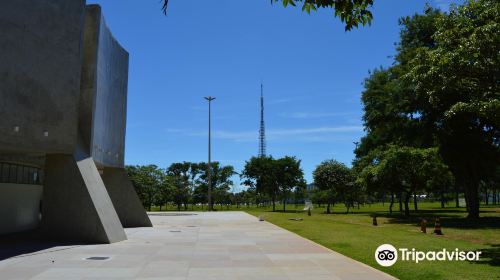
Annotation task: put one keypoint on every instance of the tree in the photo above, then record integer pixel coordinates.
(259, 174)
(221, 181)
(350, 12)
(178, 174)
(273, 177)
(459, 80)
(405, 170)
(391, 108)
(146, 180)
(332, 177)
(289, 176)
(163, 191)
(442, 91)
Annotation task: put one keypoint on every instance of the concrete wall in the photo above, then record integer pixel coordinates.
(103, 112)
(19, 207)
(125, 200)
(40, 69)
(76, 205)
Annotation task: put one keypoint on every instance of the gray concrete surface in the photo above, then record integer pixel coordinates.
(217, 246)
(103, 110)
(75, 204)
(40, 66)
(125, 200)
(63, 96)
(19, 207)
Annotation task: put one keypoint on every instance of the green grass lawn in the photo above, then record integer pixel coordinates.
(354, 236)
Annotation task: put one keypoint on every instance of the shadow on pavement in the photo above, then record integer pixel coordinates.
(22, 244)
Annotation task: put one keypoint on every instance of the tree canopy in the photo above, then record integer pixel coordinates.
(273, 177)
(351, 12)
(442, 92)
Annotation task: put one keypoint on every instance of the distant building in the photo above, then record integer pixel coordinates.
(63, 102)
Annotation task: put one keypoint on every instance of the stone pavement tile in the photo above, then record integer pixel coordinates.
(263, 272)
(305, 271)
(195, 272)
(323, 258)
(20, 272)
(161, 278)
(80, 273)
(106, 278)
(208, 263)
(169, 271)
(252, 263)
(242, 256)
(296, 263)
(315, 277)
(252, 277)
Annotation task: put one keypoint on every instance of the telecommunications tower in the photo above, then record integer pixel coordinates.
(262, 130)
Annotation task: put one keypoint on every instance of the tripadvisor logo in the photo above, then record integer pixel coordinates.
(387, 255)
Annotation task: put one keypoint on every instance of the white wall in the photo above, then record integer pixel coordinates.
(19, 207)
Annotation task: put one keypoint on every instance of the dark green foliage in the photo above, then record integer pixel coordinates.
(442, 93)
(336, 181)
(459, 80)
(351, 12)
(180, 184)
(273, 177)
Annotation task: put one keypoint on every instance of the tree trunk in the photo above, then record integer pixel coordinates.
(328, 208)
(442, 199)
(400, 202)
(486, 196)
(392, 203)
(407, 206)
(274, 205)
(457, 202)
(284, 205)
(471, 194)
(415, 202)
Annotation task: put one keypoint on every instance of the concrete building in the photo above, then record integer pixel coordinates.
(63, 102)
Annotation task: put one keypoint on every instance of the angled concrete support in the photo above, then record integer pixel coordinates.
(76, 205)
(125, 199)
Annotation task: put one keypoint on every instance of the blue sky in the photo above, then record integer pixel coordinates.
(311, 69)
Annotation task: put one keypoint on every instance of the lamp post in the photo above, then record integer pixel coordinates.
(210, 99)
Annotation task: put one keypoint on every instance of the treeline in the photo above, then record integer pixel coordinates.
(186, 184)
(182, 184)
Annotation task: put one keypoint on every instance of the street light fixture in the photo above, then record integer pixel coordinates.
(209, 99)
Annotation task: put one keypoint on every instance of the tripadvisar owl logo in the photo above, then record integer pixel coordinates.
(386, 255)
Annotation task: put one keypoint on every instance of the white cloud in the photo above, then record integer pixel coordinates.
(315, 134)
(280, 101)
(311, 115)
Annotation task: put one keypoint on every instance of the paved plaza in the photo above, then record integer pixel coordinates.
(217, 245)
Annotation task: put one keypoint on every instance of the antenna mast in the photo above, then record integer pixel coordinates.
(262, 130)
